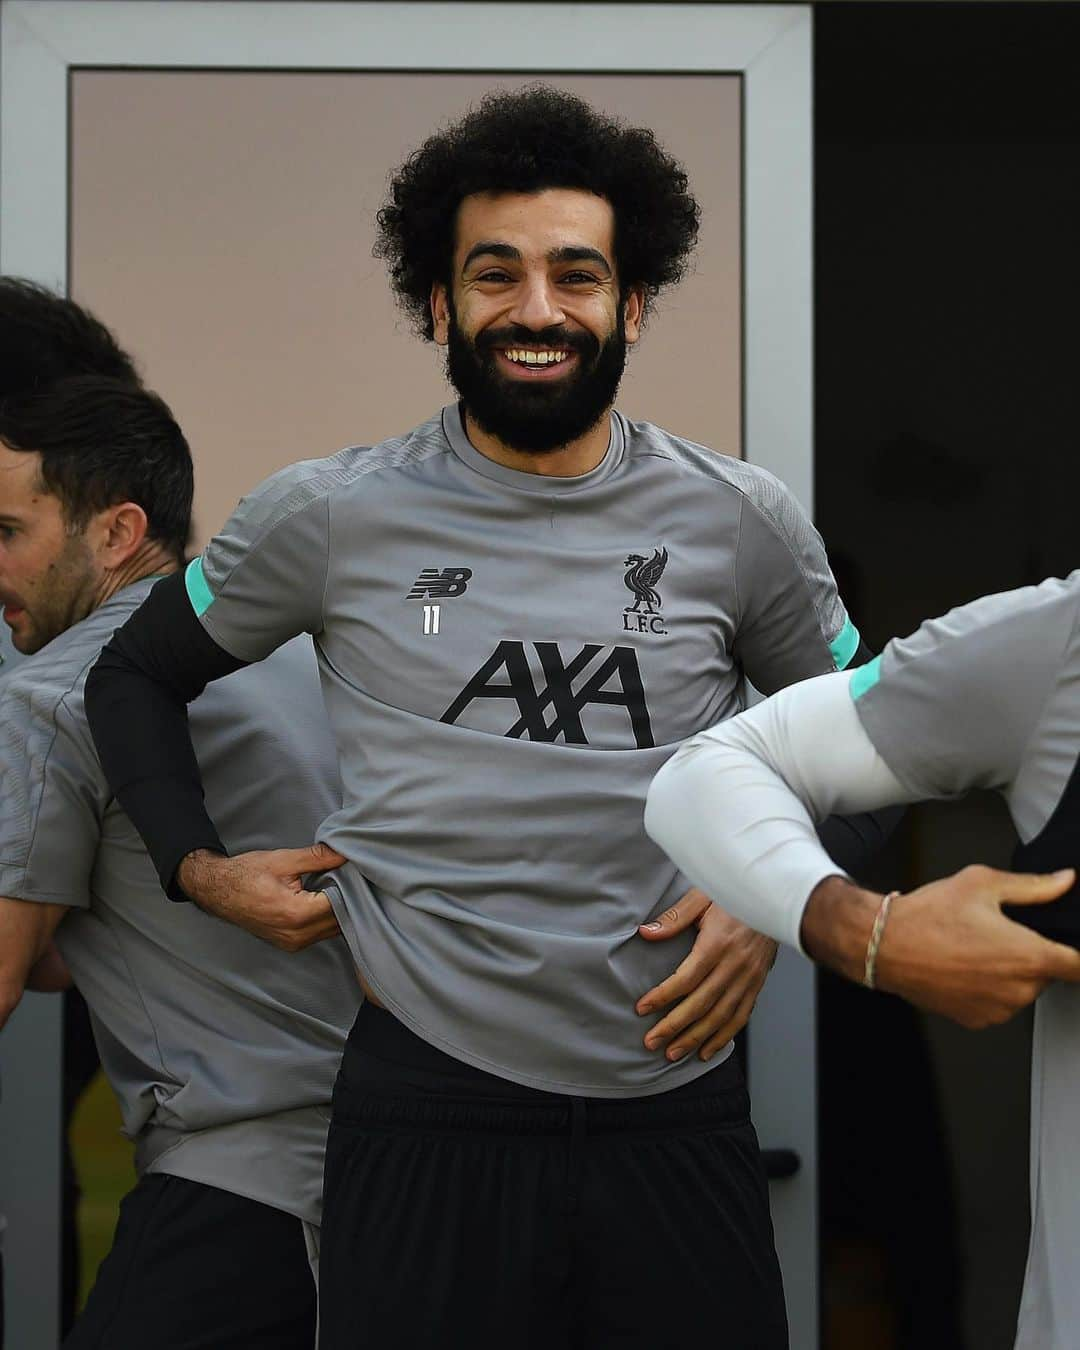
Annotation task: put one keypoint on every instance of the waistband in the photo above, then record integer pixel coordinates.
(390, 1076)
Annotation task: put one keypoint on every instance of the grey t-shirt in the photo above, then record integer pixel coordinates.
(10, 656)
(222, 1050)
(989, 696)
(507, 659)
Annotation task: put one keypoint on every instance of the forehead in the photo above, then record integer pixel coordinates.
(20, 486)
(536, 222)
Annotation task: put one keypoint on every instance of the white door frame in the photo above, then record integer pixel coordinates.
(769, 46)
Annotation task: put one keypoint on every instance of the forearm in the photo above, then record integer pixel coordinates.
(837, 923)
(735, 807)
(26, 929)
(136, 705)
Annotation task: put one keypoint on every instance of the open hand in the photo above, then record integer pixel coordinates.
(948, 948)
(261, 892)
(716, 984)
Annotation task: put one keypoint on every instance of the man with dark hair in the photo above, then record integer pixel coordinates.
(85, 444)
(519, 608)
(44, 337)
(221, 1050)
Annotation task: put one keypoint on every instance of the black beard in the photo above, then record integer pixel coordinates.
(545, 416)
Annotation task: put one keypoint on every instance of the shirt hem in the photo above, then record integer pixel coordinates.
(687, 1071)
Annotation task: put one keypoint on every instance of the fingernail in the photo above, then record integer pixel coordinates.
(652, 1042)
(644, 1008)
(706, 1055)
(653, 927)
(675, 1054)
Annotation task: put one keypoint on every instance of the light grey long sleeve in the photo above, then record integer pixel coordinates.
(735, 807)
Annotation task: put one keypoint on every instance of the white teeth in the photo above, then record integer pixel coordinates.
(530, 358)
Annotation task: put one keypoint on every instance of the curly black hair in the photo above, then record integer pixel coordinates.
(525, 141)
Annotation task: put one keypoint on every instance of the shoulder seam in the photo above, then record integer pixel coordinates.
(779, 534)
(60, 706)
(309, 490)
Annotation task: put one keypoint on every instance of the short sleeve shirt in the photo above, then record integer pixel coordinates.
(221, 1050)
(507, 659)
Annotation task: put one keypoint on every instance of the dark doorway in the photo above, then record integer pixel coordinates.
(947, 213)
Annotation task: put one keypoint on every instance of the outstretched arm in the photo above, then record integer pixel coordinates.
(735, 808)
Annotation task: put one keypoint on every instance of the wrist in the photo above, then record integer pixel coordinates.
(196, 869)
(837, 924)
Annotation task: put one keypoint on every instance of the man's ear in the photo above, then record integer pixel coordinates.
(121, 532)
(440, 314)
(633, 310)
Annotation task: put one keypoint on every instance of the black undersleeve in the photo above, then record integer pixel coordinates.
(136, 704)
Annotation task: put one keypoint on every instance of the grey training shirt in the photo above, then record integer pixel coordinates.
(222, 1050)
(989, 696)
(507, 659)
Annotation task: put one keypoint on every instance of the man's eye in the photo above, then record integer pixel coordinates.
(494, 274)
(579, 279)
(7, 532)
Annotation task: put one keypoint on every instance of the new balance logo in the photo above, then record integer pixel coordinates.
(432, 584)
(562, 699)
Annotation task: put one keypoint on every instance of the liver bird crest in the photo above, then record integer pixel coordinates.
(641, 578)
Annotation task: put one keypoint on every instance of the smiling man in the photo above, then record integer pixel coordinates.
(536, 330)
(520, 608)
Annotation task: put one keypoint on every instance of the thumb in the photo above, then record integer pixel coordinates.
(314, 858)
(1028, 888)
(682, 915)
(1033, 887)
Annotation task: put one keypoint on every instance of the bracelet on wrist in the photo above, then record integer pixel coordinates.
(876, 934)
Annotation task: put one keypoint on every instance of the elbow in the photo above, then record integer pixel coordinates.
(10, 995)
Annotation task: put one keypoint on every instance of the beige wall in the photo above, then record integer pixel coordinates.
(222, 225)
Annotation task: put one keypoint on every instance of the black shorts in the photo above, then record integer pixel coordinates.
(196, 1268)
(461, 1210)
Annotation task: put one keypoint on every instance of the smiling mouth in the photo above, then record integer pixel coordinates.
(532, 362)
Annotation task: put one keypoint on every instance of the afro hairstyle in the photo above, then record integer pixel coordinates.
(526, 141)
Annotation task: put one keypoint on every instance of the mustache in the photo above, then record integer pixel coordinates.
(515, 335)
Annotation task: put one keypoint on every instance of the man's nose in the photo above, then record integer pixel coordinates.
(536, 305)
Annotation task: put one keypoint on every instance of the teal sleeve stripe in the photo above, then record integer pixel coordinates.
(845, 644)
(863, 678)
(199, 592)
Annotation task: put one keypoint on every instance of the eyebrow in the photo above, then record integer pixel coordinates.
(567, 253)
(578, 253)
